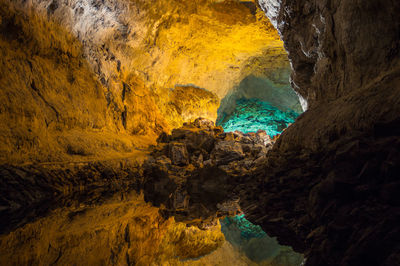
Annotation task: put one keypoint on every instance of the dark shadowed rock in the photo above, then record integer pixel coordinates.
(207, 187)
(227, 151)
(178, 153)
(203, 123)
(326, 188)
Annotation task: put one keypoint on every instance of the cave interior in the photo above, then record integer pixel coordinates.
(200, 132)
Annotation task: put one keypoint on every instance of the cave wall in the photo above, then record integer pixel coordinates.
(84, 85)
(336, 47)
(328, 187)
(101, 79)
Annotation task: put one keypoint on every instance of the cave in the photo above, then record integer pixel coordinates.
(206, 132)
(257, 103)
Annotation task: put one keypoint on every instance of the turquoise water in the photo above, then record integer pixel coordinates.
(251, 115)
(251, 241)
(247, 229)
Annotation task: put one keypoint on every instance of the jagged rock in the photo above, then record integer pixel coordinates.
(178, 153)
(259, 150)
(164, 162)
(203, 123)
(263, 137)
(227, 151)
(324, 178)
(162, 138)
(197, 160)
(205, 187)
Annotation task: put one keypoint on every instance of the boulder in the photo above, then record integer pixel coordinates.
(227, 151)
(262, 137)
(178, 153)
(203, 123)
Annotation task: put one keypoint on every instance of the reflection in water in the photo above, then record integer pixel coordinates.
(251, 240)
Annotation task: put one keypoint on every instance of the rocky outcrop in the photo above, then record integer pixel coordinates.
(195, 172)
(117, 73)
(69, 210)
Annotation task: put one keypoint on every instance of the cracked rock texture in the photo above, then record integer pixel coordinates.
(194, 171)
(328, 187)
(92, 79)
(55, 107)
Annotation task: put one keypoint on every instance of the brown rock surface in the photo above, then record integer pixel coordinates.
(327, 187)
(205, 186)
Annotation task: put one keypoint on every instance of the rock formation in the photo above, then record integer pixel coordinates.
(122, 230)
(328, 188)
(194, 171)
(133, 59)
(87, 86)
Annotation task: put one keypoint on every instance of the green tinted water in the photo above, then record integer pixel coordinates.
(251, 115)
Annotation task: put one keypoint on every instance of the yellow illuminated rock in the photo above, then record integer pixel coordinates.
(206, 43)
(127, 232)
(72, 91)
(84, 81)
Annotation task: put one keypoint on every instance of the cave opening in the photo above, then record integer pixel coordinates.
(265, 101)
(260, 103)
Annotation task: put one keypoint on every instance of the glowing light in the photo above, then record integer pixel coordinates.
(255, 244)
(247, 229)
(251, 115)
